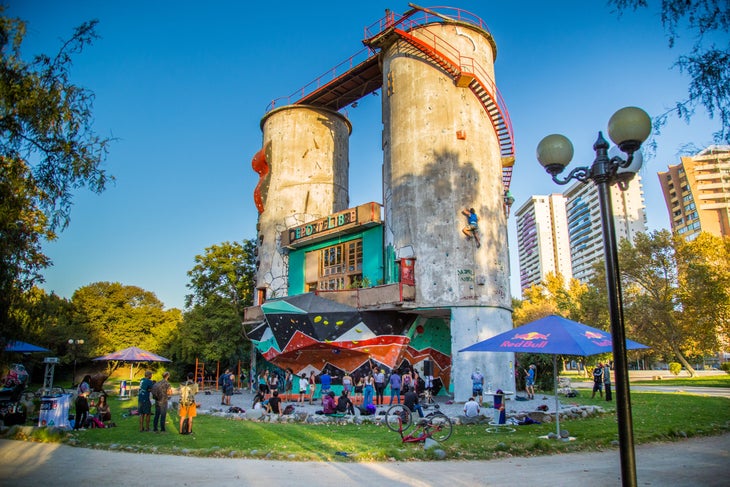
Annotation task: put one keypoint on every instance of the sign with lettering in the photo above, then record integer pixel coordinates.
(318, 230)
(327, 224)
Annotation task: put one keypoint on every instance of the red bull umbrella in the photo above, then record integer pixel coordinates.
(553, 335)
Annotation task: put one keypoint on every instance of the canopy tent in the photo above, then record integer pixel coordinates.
(553, 335)
(132, 355)
(17, 346)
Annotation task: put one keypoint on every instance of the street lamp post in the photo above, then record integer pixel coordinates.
(628, 128)
(75, 343)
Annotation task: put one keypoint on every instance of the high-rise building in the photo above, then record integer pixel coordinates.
(542, 239)
(697, 193)
(584, 222)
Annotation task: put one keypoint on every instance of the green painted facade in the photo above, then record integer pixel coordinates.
(372, 255)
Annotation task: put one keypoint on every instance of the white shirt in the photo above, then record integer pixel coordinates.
(471, 409)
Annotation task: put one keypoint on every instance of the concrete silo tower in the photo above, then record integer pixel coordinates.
(303, 169)
(445, 146)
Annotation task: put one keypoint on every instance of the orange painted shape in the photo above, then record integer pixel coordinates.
(261, 166)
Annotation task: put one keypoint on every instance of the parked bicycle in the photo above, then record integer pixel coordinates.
(435, 425)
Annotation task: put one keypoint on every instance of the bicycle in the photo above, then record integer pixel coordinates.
(435, 425)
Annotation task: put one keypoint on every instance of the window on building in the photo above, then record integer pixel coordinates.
(337, 267)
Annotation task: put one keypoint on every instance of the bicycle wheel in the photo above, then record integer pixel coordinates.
(398, 418)
(439, 426)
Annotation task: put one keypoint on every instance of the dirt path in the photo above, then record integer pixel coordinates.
(703, 461)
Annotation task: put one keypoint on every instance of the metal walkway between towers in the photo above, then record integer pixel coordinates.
(361, 74)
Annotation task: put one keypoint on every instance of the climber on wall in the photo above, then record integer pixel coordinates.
(472, 227)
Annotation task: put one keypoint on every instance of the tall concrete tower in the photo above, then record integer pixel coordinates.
(303, 170)
(442, 155)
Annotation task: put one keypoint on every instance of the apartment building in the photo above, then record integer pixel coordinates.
(697, 193)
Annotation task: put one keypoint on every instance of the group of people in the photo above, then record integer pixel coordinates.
(602, 380)
(83, 417)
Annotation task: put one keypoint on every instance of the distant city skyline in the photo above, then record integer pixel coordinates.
(182, 88)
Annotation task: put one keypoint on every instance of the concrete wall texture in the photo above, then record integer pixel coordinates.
(441, 155)
(307, 149)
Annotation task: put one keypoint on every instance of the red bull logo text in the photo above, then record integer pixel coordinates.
(531, 339)
(600, 339)
(592, 334)
(533, 335)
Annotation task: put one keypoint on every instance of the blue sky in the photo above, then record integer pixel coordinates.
(183, 85)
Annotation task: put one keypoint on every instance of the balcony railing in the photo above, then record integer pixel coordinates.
(386, 296)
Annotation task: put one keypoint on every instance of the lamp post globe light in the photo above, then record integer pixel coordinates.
(628, 128)
(74, 344)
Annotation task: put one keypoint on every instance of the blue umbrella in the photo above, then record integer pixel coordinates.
(23, 347)
(553, 335)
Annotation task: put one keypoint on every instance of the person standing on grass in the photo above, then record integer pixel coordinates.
(188, 407)
(161, 392)
(598, 380)
(82, 403)
(607, 380)
(144, 403)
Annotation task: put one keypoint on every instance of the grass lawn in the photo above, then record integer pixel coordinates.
(702, 381)
(657, 417)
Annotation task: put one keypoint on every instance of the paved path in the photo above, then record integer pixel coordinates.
(703, 461)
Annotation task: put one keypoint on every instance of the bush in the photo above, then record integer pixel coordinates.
(675, 368)
(726, 367)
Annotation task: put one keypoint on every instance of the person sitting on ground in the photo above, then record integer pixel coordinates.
(471, 408)
(258, 400)
(274, 403)
(410, 400)
(344, 404)
(328, 404)
(103, 412)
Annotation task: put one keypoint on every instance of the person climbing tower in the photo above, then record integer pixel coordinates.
(472, 227)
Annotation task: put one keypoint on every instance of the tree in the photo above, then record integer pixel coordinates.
(222, 283)
(211, 332)
(112, 316)
(704, 288)
(550, 297)
(676, 293)
(707, 63)
(225, 271)
(47, 150)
